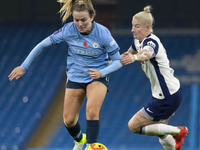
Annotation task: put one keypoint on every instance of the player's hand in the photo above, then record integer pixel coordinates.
(94, 74)
(127, 58)
(16, 73)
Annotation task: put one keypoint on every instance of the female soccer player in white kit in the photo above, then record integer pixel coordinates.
(166, 89)
(90, 46)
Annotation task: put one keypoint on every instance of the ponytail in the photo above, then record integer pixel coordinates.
(65, 10)
(68, 6)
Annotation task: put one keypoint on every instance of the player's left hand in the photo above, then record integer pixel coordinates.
(94, 74)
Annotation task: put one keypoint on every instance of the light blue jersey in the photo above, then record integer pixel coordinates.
(85, 51)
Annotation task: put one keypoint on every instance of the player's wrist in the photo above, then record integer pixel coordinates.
(135, 57)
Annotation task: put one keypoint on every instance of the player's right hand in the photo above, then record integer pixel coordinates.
(127, 58)
(16, 73)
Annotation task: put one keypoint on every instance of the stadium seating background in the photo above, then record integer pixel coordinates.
(25, 101)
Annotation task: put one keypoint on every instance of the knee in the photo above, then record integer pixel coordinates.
(69, 121)
(92, 114)
(133, 127)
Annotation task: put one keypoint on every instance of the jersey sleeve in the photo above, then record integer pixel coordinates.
(109, 42)
(151, 46)
(58, 36)
(39, 48)
(115, 65)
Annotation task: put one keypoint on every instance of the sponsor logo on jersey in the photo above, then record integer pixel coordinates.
(85, 43)
(152, 44)
(95, 45)
(84, 52)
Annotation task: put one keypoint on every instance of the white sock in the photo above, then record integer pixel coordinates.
(167, 142)
(86, 147)
(160, 129)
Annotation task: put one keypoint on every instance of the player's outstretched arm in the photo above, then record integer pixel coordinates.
(16, 73)
(127, 58)
(20, 70)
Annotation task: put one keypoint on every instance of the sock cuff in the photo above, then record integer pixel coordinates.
(162, 136)
(75, 132)
(93, 122)
(141, 130)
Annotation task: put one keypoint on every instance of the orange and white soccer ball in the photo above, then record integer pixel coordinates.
(97, 146)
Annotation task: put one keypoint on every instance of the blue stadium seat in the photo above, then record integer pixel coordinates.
(24, 102)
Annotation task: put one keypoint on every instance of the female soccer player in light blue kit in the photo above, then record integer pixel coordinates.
(166, 89)
(90, 46)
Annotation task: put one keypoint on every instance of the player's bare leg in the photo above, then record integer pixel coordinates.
(72, 104)
(96, 92)
(139, 123)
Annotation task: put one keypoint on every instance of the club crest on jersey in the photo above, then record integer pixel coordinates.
(95, 45)
(85, 43)
(152, 44)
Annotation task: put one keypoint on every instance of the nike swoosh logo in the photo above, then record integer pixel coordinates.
(74, 41)
(149, 110)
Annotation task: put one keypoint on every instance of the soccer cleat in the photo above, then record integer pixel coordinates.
(79, 145)
(179, 138)
(86, 146)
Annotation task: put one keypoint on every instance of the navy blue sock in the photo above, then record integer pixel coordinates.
(92, 131)
(141, 130)
(162, 136)
(75, 132)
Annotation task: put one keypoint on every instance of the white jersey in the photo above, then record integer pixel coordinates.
(157, 69)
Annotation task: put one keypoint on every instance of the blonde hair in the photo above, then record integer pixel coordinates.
(68, 6)
(145, 16)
